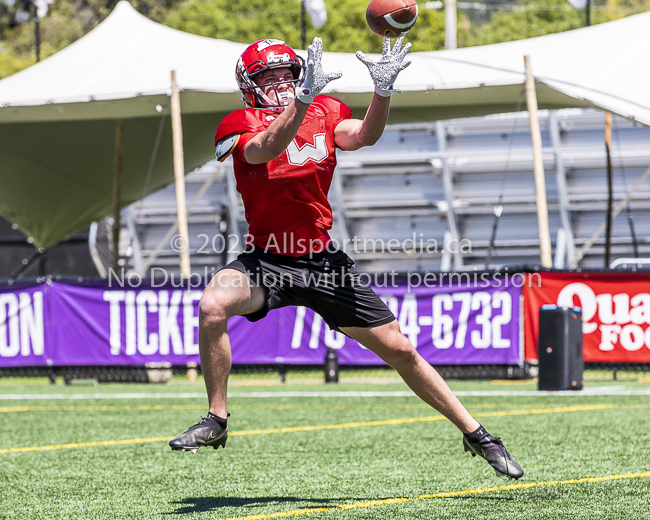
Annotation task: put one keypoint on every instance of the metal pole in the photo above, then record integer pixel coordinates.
(538, 168)
(223, 229)
(610, 188)
(588, 13)
(337, 183)
(118, 170)
(37, 36)
(450, 24)
(560, 248)
(172, 229)
(303, 25)
(135, 240)
(183, 244)
(26, 263)
(562, 192)
(448, 187)
(233, 210)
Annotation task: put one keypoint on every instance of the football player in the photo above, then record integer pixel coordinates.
(284, 153)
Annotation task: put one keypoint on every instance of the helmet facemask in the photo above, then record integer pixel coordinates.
(260, 57)
(282, 99)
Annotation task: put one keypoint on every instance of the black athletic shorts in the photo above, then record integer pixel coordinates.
(325, 282)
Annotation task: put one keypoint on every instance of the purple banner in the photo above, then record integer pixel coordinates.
(60, 324)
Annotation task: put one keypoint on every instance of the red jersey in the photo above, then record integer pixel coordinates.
(285, 199)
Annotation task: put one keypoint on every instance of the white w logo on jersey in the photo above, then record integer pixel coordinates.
(316, 152)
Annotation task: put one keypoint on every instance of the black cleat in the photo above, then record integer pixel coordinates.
(205, 433)
(493, 450)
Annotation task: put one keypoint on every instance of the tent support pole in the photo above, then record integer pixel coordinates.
(538, 168)
(118, 170)
(183, 244)
(610, 188)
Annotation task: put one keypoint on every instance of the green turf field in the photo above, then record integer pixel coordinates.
(349, 456)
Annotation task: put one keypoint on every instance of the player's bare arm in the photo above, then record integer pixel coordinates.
(269, 144)
(353, 134)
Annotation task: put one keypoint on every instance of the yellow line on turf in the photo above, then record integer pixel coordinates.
(339, 426)
(422, 419)
(537, 411)
(514, 381)
(317, 427)
(449, 494)
(84, 444)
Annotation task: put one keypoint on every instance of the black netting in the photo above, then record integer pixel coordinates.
(138, 374)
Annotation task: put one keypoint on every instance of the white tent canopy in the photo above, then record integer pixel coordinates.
(121, 69)
(56, 117)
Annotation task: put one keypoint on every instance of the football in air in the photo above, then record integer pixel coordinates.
(391, 18)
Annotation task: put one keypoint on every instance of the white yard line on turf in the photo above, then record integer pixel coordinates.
(198, 395)
(47, 397)
(587, 392)
(461, 393)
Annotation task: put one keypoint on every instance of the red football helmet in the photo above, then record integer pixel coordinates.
(259, 57)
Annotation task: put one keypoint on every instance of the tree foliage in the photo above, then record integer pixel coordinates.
(530, 19)
(552, 16)
(65, 22)
(10, 64)
(345, 31)
(250, 20)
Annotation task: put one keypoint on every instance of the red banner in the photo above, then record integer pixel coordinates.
(615, 312)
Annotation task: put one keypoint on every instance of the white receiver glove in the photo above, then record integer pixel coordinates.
(315, 79)
(385, 70)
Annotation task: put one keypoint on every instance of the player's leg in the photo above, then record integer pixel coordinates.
(228, 294)
(395, 349)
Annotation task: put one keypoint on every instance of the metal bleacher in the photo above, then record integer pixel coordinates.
(441, 181)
